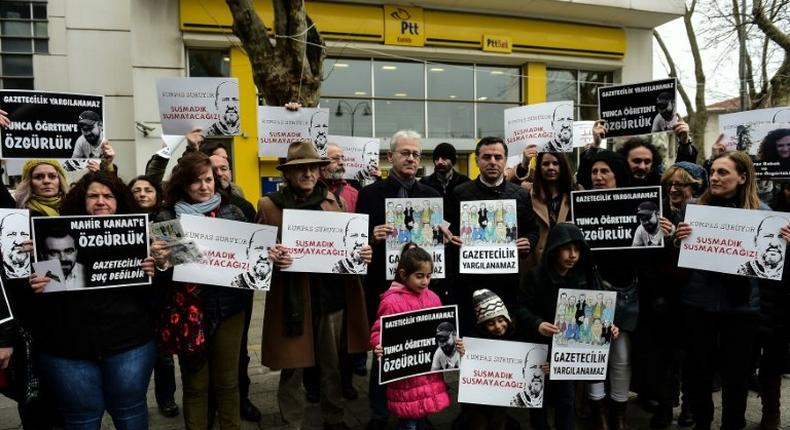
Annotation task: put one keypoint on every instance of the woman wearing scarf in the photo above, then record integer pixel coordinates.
(309, 317)
(721, 312)
(203, 324)
(42, 188)
(97, 347)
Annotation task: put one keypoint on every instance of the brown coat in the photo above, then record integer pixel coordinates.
(542, 216)
(292, 352)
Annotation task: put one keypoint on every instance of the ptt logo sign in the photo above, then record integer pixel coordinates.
(403, 26)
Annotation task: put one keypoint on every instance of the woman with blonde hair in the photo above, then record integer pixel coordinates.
(42, 188)
(721, 312)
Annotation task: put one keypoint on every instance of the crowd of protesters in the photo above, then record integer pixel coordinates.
(678, 334)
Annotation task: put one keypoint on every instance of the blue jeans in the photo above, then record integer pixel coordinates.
(117, 383)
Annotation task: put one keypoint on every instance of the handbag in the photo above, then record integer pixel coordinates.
(626, 313)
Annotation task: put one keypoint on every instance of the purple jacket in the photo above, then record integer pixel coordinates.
(418, 396)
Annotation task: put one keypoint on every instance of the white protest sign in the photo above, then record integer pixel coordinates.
(211, 104)
(502, 373)
(582, 133)
(735, 241)
(233, 253)
(324, 241)
(418, 221)
(489, 231)
(278, 127)
(580, 351)
(360, 156)
(739, 128)
(547, 125)
(14, 232)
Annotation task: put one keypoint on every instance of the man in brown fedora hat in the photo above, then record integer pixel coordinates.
(306, 313)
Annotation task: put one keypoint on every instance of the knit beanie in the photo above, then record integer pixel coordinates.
(445, 150)
(488, 306)
(697, 172)
(30, 165)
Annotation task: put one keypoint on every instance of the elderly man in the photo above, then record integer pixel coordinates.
(307, 315)
(404, 154)
(332, 176)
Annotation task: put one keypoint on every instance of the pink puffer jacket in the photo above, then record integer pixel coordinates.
(418, 396)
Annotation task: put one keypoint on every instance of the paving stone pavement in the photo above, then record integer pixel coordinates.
(264, 389)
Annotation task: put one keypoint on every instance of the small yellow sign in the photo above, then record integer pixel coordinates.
(403, 26)
(494, 43)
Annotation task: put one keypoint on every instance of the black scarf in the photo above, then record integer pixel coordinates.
(293, 299)
(405, 187)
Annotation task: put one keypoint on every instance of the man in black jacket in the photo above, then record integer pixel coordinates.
(404, 154)
(444, 178)
(491, 155)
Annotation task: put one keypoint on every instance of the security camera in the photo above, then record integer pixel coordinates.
(143, 128)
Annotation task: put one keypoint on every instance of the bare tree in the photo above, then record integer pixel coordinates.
(698, 111)
(286, 67)
(776, 90)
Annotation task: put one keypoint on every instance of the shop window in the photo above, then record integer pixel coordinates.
(579, 86)
(23, 32)
(208, 63)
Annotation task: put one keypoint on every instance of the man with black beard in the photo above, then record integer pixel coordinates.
(444, 177)
(770, 247)
(562, 123)
(643, 159)
(226, 101)
(446, 355)
(649, 231)
(88, 145)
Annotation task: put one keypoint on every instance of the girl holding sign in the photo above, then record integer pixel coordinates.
(722, 311)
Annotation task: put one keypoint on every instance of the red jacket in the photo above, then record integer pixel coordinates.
(418, 396)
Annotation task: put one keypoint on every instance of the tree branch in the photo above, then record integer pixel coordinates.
(673, 71)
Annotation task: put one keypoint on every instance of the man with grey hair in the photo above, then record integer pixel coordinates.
(404, 154)
(332, 175)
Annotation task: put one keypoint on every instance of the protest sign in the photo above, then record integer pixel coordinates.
(278, 127)
(52, 125)
(418, 343)
(5, 307)
(360, 156)
(619, 218)
(647, 107)
(582, 133)
(765, 135)
(94, 251)
(418, 221)
(735, 241)
(210, 104)
(232, 253)
(54, 271)
(502, 373)
(325, 242)
(547, 125)
(580, 351)
(171, 144)
(489, 231)
(14, 231)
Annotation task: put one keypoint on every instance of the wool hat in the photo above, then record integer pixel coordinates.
(302, 152)
(88, 117)
(445, 150)
(697, 172)
(488, 306)
(647, 208)
(30, 165)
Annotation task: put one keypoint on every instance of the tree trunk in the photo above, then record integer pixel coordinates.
(289, 67)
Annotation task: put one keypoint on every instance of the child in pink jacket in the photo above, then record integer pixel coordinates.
(413, 399)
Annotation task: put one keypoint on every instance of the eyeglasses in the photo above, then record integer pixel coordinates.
(679, 184)
(414, 154)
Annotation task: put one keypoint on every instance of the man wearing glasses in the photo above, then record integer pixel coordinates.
(332, 176)
(404, 155)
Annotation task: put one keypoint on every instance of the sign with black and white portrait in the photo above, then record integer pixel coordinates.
(210, 104)
(418, 343)
(278, 127)
(415, 221)
(360, 157)
(502, 373)
(52, 125)
(764, 134)
(735, 241)
(232, 253)
(14, 231)
(549, 126)
(92, 251)
(647, 107)
(619, 217)
(325, 242)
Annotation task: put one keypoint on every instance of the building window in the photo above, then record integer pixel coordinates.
(375, 97)
(208, 63)
(23, 32)
(580, 86)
